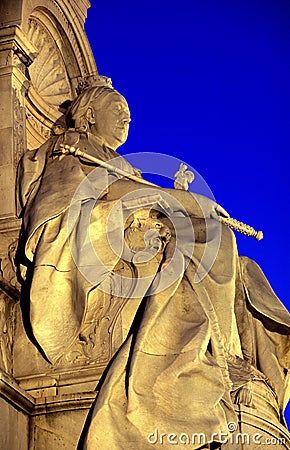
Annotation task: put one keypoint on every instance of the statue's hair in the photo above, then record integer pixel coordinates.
(76, 114)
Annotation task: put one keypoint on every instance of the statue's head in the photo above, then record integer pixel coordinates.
(102, 111)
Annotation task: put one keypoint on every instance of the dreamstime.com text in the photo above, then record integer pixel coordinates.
(158, 437)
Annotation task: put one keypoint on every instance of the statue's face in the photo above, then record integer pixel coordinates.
(112, 120)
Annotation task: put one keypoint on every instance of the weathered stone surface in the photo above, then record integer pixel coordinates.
(46, 422)
(44, 54)
(184, 345)
(14, 433)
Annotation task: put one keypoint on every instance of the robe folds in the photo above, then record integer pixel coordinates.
(193, 342)
(194, 348)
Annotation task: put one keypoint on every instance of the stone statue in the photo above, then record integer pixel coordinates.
(201, 340)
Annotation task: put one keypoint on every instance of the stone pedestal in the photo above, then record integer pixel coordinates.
(48, 422)
(15, 408)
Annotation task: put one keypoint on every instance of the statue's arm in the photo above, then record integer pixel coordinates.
(194, 204)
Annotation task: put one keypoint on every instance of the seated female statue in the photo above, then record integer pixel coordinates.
(196, 333)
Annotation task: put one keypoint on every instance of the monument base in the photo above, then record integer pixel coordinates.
(48, 422)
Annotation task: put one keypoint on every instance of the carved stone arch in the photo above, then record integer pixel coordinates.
(55, 73)
(70, 15)
(67, 47)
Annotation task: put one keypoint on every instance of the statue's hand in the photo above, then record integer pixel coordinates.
(137, 172)
(244, 397)
(219, 211)
(208, 207)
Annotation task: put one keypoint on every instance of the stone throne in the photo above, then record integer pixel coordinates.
(44, 56)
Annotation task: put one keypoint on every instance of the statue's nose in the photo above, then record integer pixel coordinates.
(125, 119)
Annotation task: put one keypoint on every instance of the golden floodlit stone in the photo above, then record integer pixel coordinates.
(127, 318)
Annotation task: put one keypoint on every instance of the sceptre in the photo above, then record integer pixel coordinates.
(232, 223)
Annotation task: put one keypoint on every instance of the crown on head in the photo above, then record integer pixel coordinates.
(93, 80)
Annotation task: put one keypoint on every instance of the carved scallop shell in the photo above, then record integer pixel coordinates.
(48, 74)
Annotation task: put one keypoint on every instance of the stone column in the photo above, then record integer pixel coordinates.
(16, 54)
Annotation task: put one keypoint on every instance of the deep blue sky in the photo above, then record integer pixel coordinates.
(208, 82)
